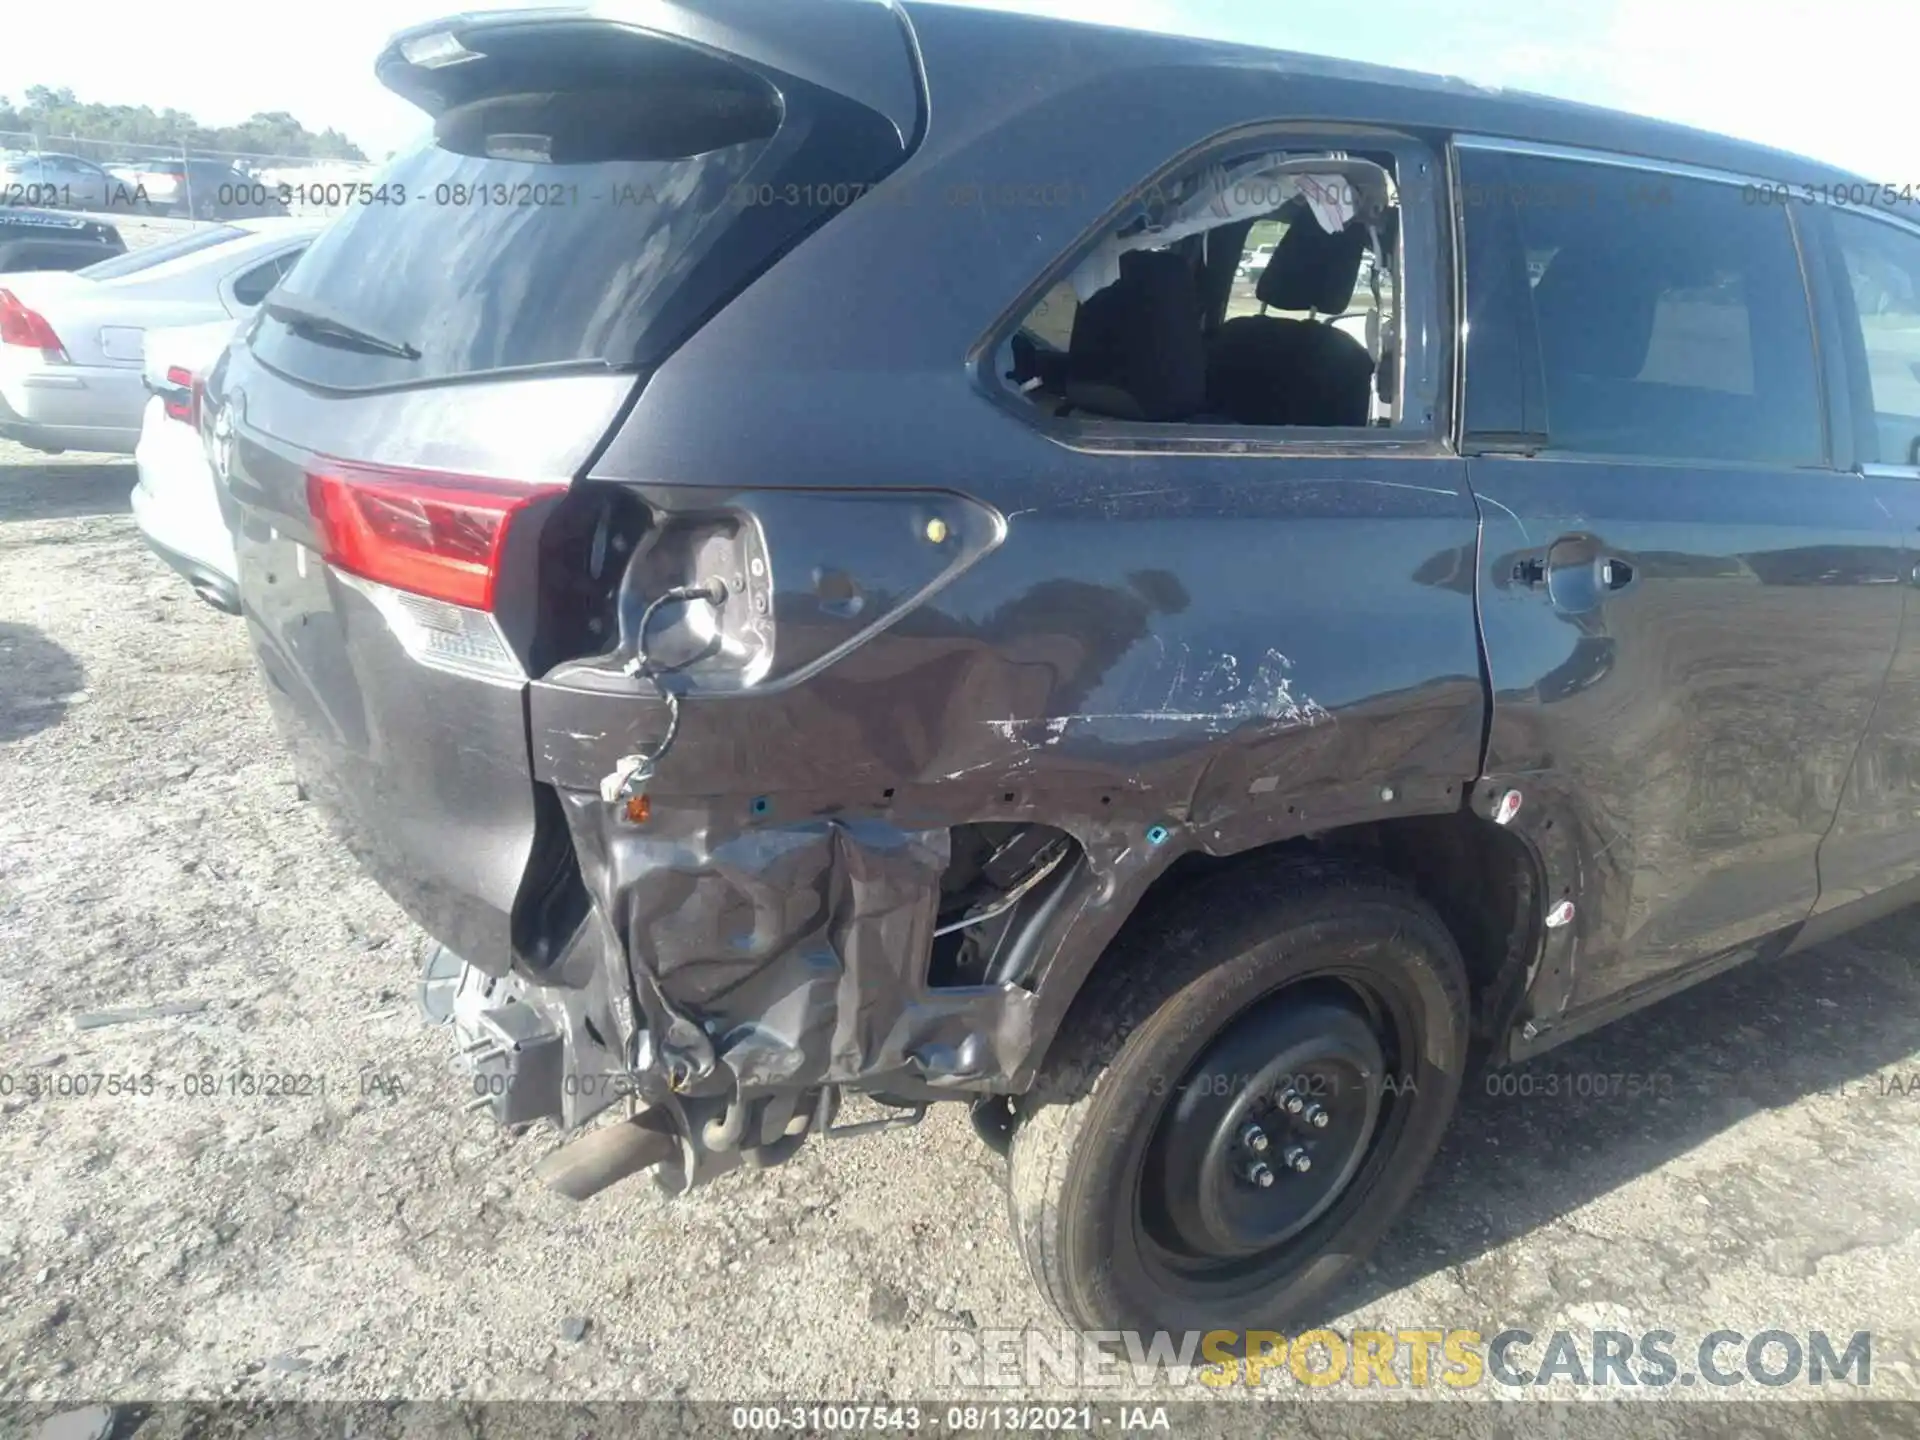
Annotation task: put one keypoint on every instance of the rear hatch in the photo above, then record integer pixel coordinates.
(411, 405)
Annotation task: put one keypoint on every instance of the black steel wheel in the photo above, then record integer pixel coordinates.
(1241, 1102)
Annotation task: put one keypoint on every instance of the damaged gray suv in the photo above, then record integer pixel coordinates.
(793, 543)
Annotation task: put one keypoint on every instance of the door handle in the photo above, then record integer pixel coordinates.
(1615, 574)
(1579, 574)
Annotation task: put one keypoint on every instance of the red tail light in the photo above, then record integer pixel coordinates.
(418, 530)
(22, 325)
(179, 401)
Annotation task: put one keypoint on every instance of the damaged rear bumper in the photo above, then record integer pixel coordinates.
(769, 958)
(774, 968)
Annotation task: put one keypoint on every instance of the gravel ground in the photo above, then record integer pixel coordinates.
(379, 1240)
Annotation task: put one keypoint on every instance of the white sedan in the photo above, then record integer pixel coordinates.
(72, 344)
(175, 503)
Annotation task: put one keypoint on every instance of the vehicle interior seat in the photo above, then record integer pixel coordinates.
(1615, 373)
(1590, 354)
(1137, 351)
(1270, 370)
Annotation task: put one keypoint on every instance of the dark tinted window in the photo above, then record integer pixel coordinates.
(1883, 275)
(252, 287)
(1671, 315)
(592, 225)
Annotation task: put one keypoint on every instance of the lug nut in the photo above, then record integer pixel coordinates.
(1316, 1117)
(1296, 1159)
(1261, 1174)
(1292, 1103)
(1254, 1138)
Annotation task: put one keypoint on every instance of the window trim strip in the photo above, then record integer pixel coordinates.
(1619, 160)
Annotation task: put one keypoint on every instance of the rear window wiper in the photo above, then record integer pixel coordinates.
(321, 321)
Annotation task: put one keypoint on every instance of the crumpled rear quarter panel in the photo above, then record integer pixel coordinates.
(1234, 664)
(1236, 647)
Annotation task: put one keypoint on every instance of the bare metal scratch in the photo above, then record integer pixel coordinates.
(1398, 485)
(1516, 519)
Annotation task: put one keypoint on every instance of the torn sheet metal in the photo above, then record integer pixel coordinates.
(1113, 670)
(775, 958)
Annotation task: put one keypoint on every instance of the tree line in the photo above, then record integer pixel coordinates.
(47, 112)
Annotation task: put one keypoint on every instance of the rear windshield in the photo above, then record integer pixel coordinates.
(147, 256)
(595, 226)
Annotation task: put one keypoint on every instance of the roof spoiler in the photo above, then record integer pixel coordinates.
(861, 49)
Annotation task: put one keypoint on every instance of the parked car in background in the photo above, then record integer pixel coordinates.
(33, 239)
(205, 190)
(126, 173)
(61, 182)
(174, 501)
(71, 344)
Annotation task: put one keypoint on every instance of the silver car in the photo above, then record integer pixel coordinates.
(72, 345)
(64, 182)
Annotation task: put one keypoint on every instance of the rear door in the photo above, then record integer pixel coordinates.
(1870, 864)
(1688, 606)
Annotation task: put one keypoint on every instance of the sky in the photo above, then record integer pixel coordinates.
(1834, 81)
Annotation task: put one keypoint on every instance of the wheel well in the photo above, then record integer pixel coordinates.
(1481, 879)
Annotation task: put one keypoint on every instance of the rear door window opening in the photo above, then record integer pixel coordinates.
(1261, 288)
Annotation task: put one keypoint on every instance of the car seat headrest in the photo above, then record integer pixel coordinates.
(1137, 352)
(1312, 270)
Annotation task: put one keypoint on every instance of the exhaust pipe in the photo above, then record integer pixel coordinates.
(216, 596)
(584, 1167)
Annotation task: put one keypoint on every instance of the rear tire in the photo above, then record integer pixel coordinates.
(1135, 1187)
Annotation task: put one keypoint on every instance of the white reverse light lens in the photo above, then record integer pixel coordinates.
(442, 636)
(432, 52)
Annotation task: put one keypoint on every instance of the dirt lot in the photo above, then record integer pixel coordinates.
(211, 1235)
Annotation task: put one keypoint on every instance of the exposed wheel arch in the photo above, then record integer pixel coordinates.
(1485, 881)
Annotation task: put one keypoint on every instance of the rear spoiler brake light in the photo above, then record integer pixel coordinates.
(858, 49)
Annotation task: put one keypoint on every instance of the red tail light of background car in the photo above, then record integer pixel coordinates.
(20, 324)
(181, 400)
